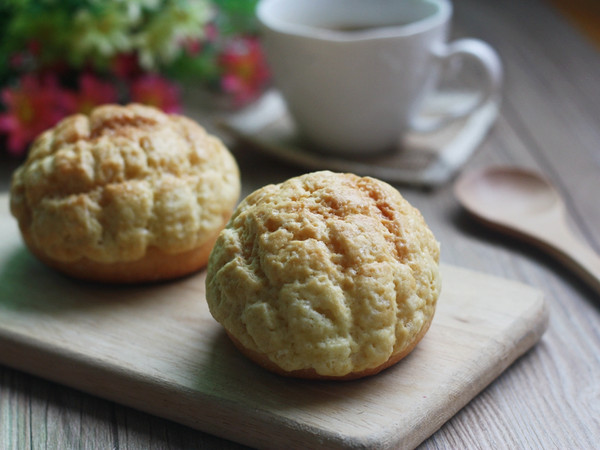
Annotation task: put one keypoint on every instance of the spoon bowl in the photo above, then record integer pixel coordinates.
(525, 204)
(507, 191)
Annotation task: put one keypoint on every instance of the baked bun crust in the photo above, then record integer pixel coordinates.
(327, 276)
(127, 194)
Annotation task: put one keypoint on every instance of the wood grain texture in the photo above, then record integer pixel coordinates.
(157, 349)
(550, 397)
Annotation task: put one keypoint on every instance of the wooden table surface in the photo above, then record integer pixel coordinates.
(550, 398)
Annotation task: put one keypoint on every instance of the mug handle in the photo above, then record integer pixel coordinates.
(487, 58)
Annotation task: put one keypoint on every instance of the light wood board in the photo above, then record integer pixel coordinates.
(156, 348)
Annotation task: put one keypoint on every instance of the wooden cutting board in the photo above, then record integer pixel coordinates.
(157, 349)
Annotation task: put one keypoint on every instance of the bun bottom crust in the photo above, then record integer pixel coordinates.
(156, 265)
(310, 374)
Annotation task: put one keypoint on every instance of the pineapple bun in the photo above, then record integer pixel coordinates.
(125, 194)
(325, 276)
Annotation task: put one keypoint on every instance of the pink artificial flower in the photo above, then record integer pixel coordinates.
(192, 47)
(94, 92)
(156, 91)
(126, 65)
(211, 32)
(17, 60)
(245, 71)
(35, 47)
(35, 105)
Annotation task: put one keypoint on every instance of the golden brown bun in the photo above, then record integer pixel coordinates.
(155, 265)
(327, 276)
(311, 374)
(127, 194)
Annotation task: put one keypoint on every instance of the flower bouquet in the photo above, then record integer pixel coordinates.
(62, 57)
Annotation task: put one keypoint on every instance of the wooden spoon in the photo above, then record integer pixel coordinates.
(524, 204)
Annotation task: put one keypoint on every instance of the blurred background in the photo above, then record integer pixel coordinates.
(584, 14)
(63, 57)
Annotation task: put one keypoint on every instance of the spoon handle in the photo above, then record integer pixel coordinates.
(575, 254)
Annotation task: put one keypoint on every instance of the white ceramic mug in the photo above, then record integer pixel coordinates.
(354, 73)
